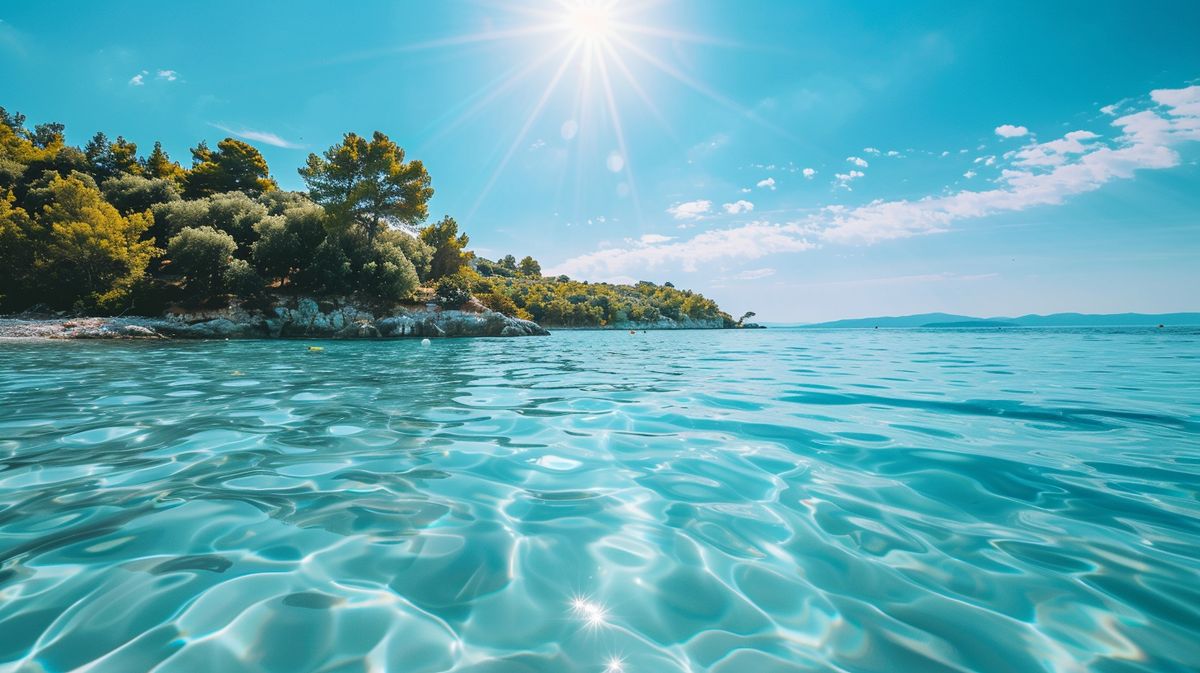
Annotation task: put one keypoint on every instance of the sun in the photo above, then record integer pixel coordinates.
(590, 22)
(597, 51)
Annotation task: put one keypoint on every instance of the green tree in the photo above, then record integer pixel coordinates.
(125, 156)
(389, 274)
(16, 252)
(453, 291)
(530, 268)
(286, 242)
(15, 121)
(236, 214)
(135, 194)
(509, 262)
(49, 135)
(234, 166)
(102, 164)
(89, 252)
(417, 251)
(449, 247)
(108, 160)
(159, 165)
(39, 192)
(241, 279)
(277, 252)
(368, 183)
(201, 255)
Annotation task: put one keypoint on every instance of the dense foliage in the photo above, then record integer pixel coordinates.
(562, 302)
(104, 229)
(98, 228)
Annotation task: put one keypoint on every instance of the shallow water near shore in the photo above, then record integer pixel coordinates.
(758, 500)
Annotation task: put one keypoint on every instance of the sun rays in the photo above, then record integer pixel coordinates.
(598, 63)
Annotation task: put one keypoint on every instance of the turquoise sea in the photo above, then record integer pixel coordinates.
(737, 501)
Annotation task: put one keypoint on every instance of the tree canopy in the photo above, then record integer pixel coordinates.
(85, 229)
(368, 183)
(449, 247)
(235, 166)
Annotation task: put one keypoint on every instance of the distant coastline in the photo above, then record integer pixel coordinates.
(948, 320)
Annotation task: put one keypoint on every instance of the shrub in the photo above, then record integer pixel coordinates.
(201, 255)
(389, 275)
(453, 291)
(135, 194)
(241, 279)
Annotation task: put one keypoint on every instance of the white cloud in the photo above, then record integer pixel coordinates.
(769, 183)
(139, 79)
(1144, 140)
(168, 75)
(739, 206)
(690, 210)
(1055, 152)
(750, 241)
(654, 239)
(537, 144)
(858, 161)
(870, 150)
(945, 153)
(1010, 131)
(809, 173)
(754, 274)
(1182, 102)
(844, 179)
(969, 174)
(265, 137)
(893, 153)
(1109, 110)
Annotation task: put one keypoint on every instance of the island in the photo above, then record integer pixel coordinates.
(102, 242)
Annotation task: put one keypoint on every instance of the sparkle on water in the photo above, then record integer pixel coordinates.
(739, 501)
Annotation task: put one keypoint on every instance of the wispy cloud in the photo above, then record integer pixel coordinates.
(809, 173)
(690, 210)
(858, 161)
(750, 241)
(1043, 173)
(265, 137)
(767, 183)
(754, 274)
(160, 75)
(1040, 174)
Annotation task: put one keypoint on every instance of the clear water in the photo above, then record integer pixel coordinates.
(777, 500)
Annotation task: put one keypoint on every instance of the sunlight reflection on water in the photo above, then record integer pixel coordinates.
(774, 500)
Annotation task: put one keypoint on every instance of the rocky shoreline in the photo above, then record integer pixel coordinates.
(302, 318)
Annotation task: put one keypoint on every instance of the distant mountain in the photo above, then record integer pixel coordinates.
(1053, 320)
(971, 323)
(897, 321)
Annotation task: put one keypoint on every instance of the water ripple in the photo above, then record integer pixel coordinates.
(777, 500)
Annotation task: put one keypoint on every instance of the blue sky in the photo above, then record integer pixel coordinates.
(987, 158)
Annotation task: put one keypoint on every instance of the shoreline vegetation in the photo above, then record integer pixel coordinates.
(101, 241)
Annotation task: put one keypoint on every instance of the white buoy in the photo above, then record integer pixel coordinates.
(425, 342)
